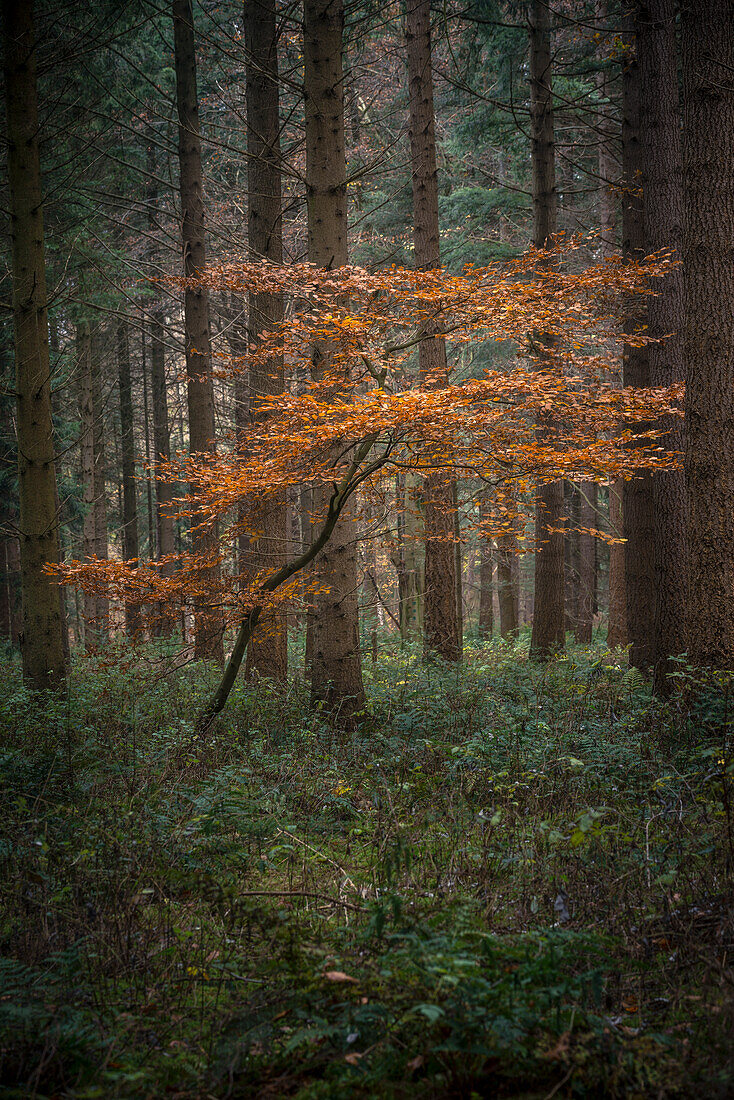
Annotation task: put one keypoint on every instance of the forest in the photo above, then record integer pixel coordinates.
(367, 549)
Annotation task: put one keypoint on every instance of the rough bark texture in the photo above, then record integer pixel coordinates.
(200, 392)
(267, 654)
(507, 586)
(637, 500)
(549, 634)
(410, 557)
(662, 188)
(42, 644)
(164, 490)
(336, 670)
(130, 547)
(708, 232)
(86, 443)
(486, 586)
(441, 618)
(608, 217)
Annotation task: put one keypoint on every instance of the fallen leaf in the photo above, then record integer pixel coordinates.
(338, 976)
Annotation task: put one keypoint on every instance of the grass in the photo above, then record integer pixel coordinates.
(511, 880)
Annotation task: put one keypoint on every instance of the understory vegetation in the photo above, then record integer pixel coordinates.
(507, 880)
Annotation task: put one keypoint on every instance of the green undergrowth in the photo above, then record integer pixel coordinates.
(509, 880)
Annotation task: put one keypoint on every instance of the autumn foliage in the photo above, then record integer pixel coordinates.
(351, 426)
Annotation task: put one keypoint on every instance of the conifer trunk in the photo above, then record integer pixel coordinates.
(208, 641)
(608, 177)
(336, 669)
(708, 349)
(637, 500)
(441, 617)
(662, 188)
(130, 546)
(42, 644)
(548, 634)
(267, 653)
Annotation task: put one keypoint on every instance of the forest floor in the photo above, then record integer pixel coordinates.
(510, 881)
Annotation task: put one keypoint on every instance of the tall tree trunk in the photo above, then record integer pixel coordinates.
(549, 634)
(586, 606)
(637, 501)
(208, 641)
(42, 644)
(267, 653)
(164, 490)
(130, 546)
(608, 177)
(662, 188)
(336, 669)
(507, 586)
(86, 442)
(486, 576)
(708, 232)
(409, 510)
(99, 503)
(441, 611)
(150, 515)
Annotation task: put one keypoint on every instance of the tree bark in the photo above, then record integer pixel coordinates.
(708, 347)
(208, 642)
(441, 610)
(586, 606)
(42, 645)
(549, 633)
(336, 669)
(507, 587)
(268, 652)
(637, 500)
(130, 546)
(662, 188)
(608, 179)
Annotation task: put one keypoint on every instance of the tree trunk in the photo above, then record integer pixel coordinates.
(486, 582)
(441, 610)
(608, 178)
(336, 669)
(637, 501)
(267, 654)
(586, 606)
(42, 644)
(507, 576)
(549, 634)
(99, 486)
(708, 232)
(86, 443)
(164, 490)
(662, 187)
(130, 546)
(208, 641)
